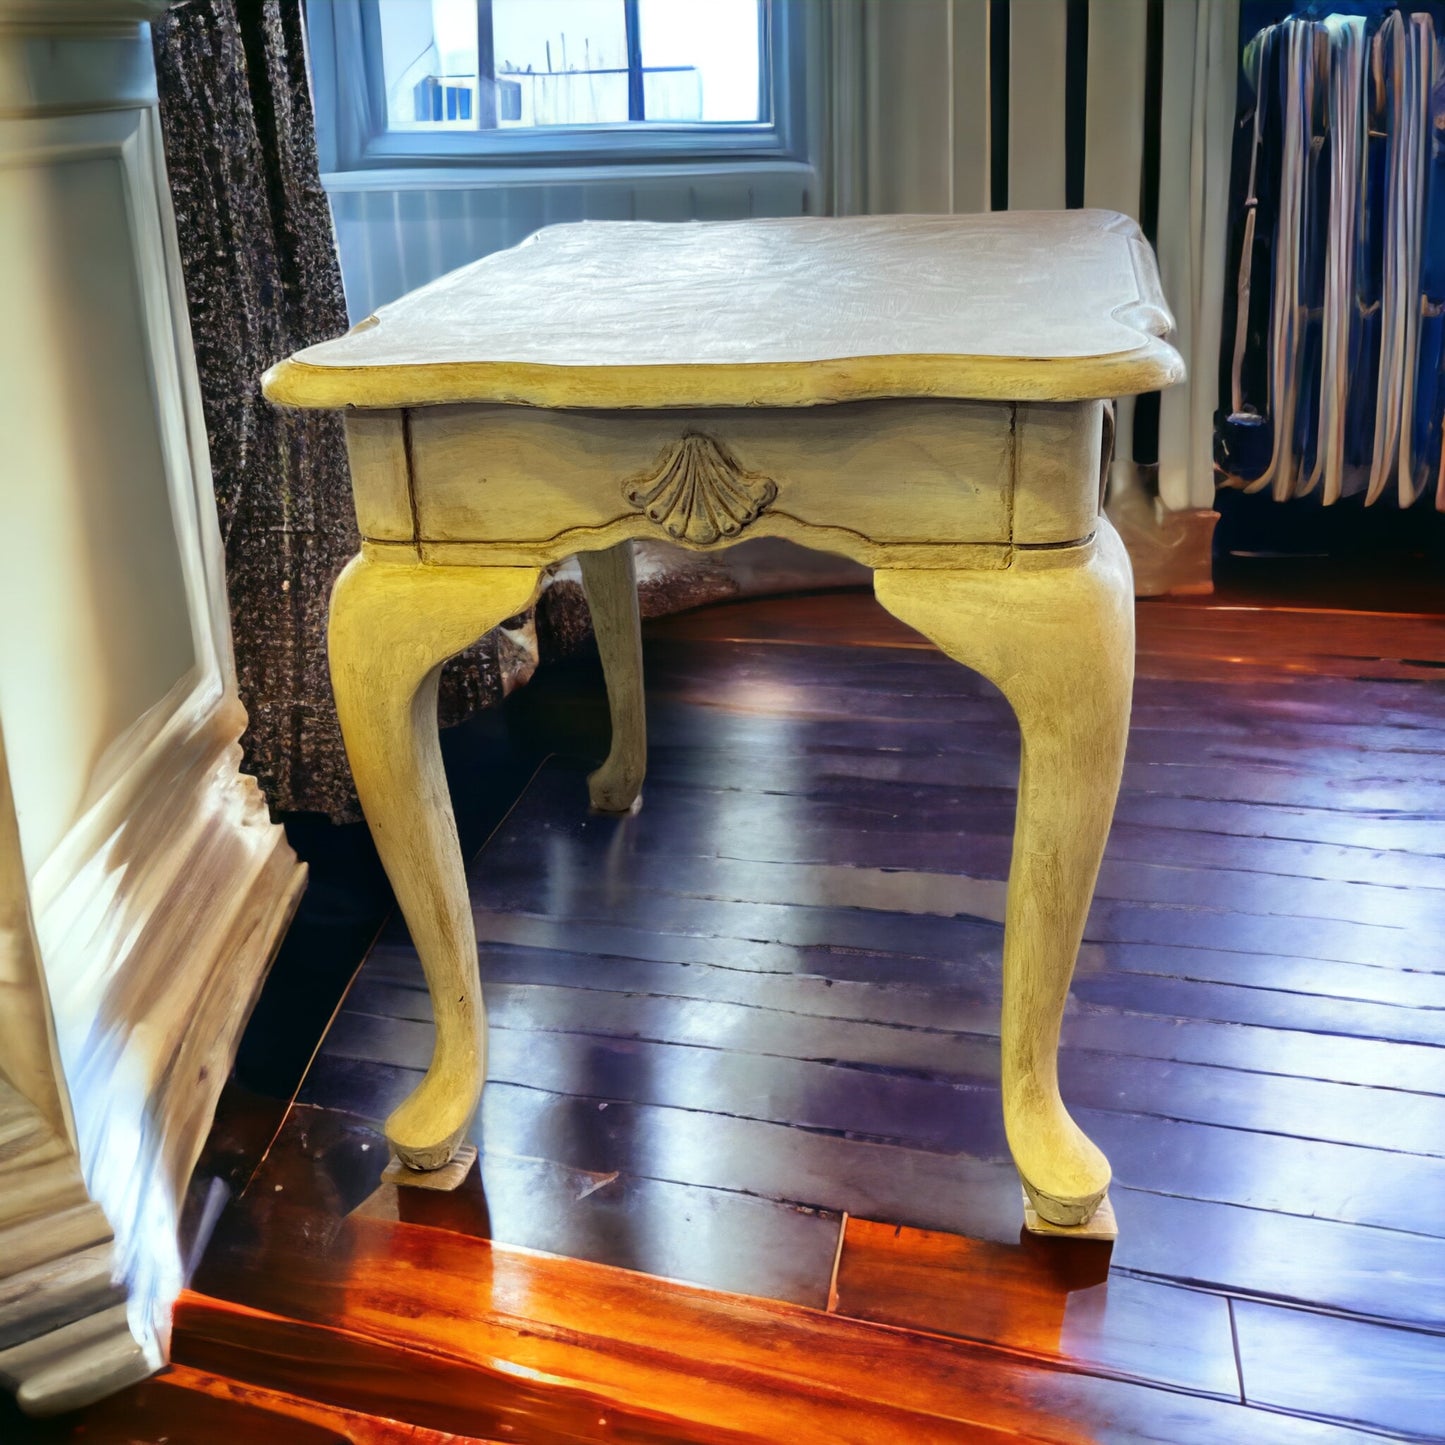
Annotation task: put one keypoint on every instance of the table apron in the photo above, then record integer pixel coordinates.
(939, 481)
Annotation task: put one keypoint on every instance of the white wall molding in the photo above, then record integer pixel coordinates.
(140, 873)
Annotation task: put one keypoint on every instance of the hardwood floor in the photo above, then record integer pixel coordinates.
(743, 1171)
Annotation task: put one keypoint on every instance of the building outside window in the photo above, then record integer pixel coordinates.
(555, 82)
(488, 65)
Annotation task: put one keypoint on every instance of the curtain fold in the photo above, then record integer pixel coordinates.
(262, 280)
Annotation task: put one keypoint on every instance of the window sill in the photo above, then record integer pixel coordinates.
(490, 177)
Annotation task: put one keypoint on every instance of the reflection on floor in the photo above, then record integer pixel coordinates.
(747, 1040)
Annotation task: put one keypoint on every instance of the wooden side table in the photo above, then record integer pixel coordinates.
(923, 394)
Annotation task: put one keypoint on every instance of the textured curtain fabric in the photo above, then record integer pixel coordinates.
(262, 280)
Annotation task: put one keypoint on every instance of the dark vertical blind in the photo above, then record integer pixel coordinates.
(636, 100)
(1146, 410)
(1076, 85)
(998, 48)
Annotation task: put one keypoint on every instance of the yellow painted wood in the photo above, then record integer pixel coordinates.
(380, 474)
(610, 580)
(526, 474)
(1059, 643)
(659, 370)
(772, 523)
(391, 628)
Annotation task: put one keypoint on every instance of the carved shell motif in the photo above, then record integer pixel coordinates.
(699, 492)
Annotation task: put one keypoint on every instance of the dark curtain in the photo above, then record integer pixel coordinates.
(262, 281)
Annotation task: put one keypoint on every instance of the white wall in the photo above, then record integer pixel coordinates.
(95, 626)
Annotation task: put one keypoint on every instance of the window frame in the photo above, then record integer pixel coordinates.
(344, 41)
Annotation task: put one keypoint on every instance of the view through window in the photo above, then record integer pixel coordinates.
(503, 64)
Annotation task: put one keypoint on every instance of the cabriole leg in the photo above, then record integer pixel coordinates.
(1058, 640)
(610, 581)
(391, 628)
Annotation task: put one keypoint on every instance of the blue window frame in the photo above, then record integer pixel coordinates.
(389, 98)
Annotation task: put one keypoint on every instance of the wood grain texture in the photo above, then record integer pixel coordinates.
(326, 1163)
(1059, 643)
(456, 1333)
(762, 716)
(686, 1050)
(793, 312)
(391, 628)
(194, 1407)
(1042, 1297)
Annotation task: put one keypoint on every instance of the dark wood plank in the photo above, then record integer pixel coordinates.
(1051, 1299)
(1204, 632)
(665, 855)
(914, 709)
(1292, 689)
(918, 1109)
(950, 1042)
(193, 1407)
(1381, 1272)
(947, 833)
(439, 1395)
(778, 770)
(1250, 1168)
(1383, 1378)
(772, 997)
(552, 1199)
(1171, 906)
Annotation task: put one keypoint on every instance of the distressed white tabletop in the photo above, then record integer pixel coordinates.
(1014, 305)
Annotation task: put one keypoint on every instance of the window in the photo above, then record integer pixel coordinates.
(530, 64)
(513, 82)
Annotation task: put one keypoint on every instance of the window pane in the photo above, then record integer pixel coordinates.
(429, 64)
(700, 60)
(560, 62)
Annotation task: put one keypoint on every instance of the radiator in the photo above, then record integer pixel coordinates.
(1337, 264)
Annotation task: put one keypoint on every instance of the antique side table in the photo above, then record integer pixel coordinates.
(926, 395)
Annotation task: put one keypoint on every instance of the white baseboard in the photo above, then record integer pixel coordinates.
(156, 918)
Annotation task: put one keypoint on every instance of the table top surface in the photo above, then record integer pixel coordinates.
(1013, 305)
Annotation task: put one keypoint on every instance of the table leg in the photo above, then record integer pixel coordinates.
(1059, 641)
(391, 628)
(610, 581)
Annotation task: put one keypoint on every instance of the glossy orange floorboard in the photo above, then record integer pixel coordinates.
(743, 1173)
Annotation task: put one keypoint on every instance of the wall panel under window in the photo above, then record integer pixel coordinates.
(394, 234)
